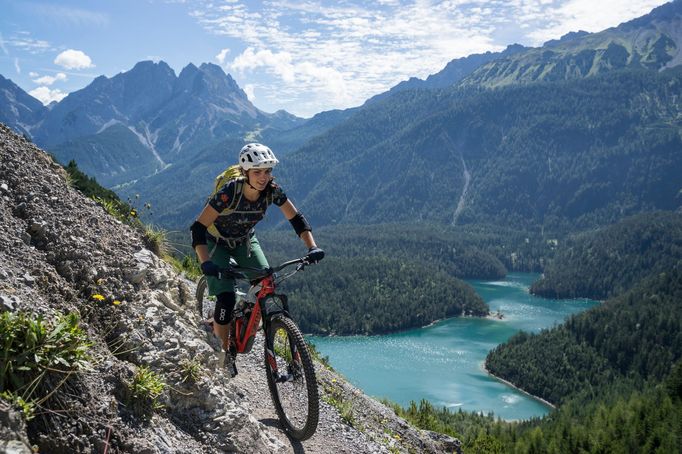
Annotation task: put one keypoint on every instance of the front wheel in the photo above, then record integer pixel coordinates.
(291, 378)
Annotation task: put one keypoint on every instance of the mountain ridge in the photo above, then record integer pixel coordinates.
(652, 41)
(168, 115)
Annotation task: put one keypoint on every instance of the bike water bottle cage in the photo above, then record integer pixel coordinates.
(198, 231)
(300, 224)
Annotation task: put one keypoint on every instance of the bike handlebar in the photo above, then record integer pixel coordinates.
(237, 272)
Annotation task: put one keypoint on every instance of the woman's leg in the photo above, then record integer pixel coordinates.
(223, 290)
(251, 256)
(223, 317)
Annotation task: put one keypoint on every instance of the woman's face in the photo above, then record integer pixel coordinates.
(259, 178)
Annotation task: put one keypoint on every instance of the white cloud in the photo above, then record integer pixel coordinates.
(588, 15)
(25, 43)
(73, 59)
(342, 54)
(46, 96)
(222, 55)
(250, 90)
(16, 66)
(2, 45)
(48, 80)
(278, 63)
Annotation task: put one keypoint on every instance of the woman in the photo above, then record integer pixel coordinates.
(231, 233)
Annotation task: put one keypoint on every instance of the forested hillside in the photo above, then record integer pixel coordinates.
(642, 420)
(637, 336)
(604, 263)
(376, 295)
(390, 277)
(459, 253)
(563, 155)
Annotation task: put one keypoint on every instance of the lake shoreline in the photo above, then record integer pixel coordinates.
(511, 385)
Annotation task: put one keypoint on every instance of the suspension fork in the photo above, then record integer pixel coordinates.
(290, 373)
(270, 346)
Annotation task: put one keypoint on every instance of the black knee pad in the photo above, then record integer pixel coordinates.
(223, 308)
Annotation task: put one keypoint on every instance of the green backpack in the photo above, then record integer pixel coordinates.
(234, 172)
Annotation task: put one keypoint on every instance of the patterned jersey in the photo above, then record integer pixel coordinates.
(238, 223)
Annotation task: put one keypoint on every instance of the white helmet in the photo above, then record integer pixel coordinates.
(257, 156)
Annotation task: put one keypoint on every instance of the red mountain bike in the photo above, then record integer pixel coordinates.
(289, 368)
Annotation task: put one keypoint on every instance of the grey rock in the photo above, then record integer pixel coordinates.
(6, 303)
(28, 279)
(13, 437)
(20, 210)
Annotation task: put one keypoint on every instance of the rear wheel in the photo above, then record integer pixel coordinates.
(205, 305)
(291, 378)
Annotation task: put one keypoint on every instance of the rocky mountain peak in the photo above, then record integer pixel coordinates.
(19, 108)
(567, 37)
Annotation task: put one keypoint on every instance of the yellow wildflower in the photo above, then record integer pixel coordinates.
(116, 302)
(98, 297)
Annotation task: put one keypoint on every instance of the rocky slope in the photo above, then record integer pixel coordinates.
(57, 249)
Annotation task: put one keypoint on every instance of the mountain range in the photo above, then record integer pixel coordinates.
(141, 121)
(536, 136)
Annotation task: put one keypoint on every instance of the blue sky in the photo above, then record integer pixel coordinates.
(302, 56)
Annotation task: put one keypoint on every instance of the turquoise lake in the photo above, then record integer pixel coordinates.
(443, 363)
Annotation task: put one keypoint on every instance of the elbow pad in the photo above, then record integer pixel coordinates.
(198, 231)
(300, 224)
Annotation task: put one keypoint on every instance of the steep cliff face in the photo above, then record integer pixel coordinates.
(58, 249)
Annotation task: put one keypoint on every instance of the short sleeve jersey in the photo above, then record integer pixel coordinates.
(238, 223)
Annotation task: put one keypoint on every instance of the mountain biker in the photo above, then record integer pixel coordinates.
(233, 232)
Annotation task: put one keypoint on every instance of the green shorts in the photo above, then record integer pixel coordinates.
(221, 256)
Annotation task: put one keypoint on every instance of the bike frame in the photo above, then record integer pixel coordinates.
(243, 342)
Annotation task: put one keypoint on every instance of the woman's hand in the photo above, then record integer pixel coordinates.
(315, 254)
(210, 269)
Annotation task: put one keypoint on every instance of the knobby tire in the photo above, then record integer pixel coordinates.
(205, 307)
(296, 400)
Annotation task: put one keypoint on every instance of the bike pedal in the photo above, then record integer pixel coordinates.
(283, 378)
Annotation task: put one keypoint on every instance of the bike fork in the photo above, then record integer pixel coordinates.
(276, 375)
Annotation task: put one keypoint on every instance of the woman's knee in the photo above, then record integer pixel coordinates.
(223, 308)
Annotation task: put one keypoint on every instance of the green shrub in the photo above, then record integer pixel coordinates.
(144, 392)
(31, 349)
(155, 239)
(191, 370)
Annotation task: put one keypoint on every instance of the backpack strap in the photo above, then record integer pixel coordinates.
(234, 202)
(237, 195)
